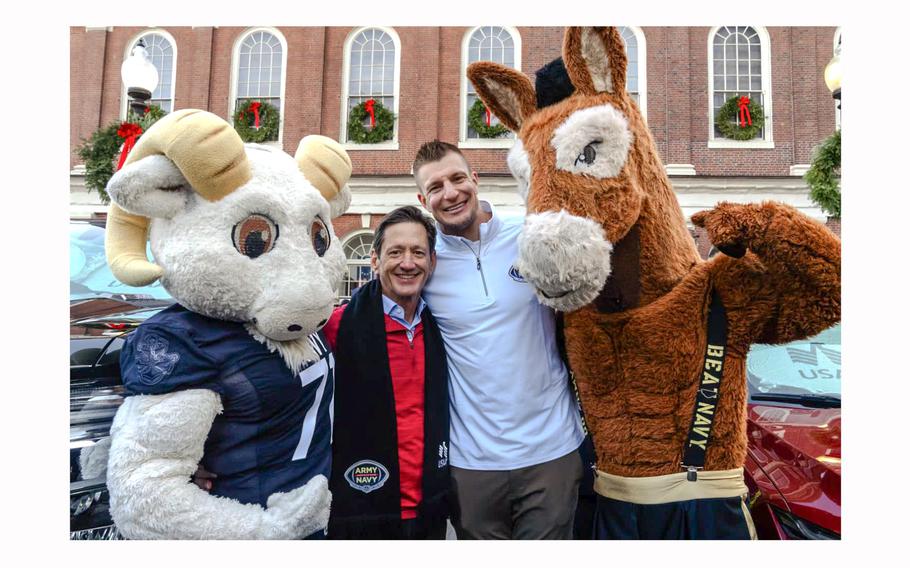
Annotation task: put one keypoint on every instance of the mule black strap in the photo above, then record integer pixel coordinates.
(563, 354)
(708, 389)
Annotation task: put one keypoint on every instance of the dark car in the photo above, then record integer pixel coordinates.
(793, 462)
(102, 311)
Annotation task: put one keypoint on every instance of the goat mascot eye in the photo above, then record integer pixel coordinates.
(320, 235)
(255, 235)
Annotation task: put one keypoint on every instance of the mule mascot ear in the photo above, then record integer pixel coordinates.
(506, 92)
(595, 60)
(510, 96)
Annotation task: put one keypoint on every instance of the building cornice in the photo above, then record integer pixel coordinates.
(379, 195)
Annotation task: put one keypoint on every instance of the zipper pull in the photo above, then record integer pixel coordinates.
(478, 263)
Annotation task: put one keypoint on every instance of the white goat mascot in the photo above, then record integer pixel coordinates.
(236, 375)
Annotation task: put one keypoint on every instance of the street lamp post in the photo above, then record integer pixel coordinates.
(833, 75)
(140, 77)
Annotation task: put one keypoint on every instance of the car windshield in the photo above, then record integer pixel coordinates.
(90, 276)
(809, 367)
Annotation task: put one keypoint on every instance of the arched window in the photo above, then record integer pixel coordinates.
(739, 65)
(636, 70)
(372, 67)
(162, 50)
(260, 58)
(486, 43)
(357, 249)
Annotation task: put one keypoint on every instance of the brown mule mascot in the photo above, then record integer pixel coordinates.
(663, 390)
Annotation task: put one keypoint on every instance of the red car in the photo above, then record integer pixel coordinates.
(793, 464)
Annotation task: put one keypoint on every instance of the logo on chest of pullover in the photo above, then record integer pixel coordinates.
(515, 275)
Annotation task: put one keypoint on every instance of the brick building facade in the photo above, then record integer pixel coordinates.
(674, 66)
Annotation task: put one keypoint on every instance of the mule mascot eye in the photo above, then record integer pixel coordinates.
(588, 154)
(651, 328)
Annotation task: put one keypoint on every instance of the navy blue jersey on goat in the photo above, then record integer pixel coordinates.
(276, 429)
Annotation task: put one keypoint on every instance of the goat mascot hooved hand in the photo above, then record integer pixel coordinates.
(605, 241)
(236, 375)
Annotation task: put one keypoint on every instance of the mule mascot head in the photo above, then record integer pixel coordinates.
(588, 169)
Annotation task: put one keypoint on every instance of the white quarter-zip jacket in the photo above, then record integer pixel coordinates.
(511, 403)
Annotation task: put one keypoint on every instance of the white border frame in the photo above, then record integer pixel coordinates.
(235, 72)
(838, 48)
(463, 140)
(124, 97)
(345, 79)
(642, 69)
(768, 141)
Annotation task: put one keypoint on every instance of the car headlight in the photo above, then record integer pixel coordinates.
(801, 529)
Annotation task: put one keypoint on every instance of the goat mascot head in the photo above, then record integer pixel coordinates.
(238, 232)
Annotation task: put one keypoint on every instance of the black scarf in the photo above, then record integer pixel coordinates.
(366, 425)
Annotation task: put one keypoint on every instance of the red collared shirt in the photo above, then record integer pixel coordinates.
(406, 365)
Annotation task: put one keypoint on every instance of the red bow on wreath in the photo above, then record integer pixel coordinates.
(254, 106)
(744, 112)
(487, 111)
(129, 132)
(368, 106)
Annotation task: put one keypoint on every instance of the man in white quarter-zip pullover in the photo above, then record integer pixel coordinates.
(515, 426)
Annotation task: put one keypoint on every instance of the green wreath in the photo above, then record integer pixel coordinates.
(151, 115)
(823, 174)
(728, 123)
(476, 120)
(99, 151)
(383, 128)
(245, 120)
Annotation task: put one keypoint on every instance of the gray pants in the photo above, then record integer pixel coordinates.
(534, 502)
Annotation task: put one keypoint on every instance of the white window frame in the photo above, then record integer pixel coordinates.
(235, 76)
(347, 262)
(124, 97)
(642, 69)
(768, 141)
(345, 80)
(463, 140)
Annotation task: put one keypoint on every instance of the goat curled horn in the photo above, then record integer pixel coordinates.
(211, 158)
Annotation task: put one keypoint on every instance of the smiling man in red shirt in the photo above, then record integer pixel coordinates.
(390, 471)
